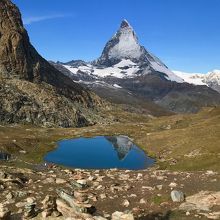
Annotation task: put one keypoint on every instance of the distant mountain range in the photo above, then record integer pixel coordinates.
(210, 79)
(126, 71)
(32, 91)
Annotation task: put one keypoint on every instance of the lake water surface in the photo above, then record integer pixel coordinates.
(101, 152)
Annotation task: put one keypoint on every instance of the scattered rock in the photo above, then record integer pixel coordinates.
(126, 203)
(82, 182)
(99, 218)
(159, 187)
(49, 207)
(210, 172)
(29, 211)
(9, 196)
(142, 201)
(4, 212)
(103, 196)
(212, 215)
(177, 196)
(31, 200)
(187, 213)
(3, 175)
(122, 216)
(203, 200)
(49, 180)
(80, 196)
(60, 181)
(173, 185)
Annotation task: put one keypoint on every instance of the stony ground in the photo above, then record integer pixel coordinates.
(144, 194)
(186, 148)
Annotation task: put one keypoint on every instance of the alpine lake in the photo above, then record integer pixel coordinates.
(100, 152)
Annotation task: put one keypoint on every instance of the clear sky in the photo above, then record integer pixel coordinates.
(184, 34)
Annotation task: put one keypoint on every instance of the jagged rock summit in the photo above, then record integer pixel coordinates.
(19, 59)
(128, 73)
(124, 45)
(31, 90)
(122, 57)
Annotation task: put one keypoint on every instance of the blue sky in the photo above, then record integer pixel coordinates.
(184, 34)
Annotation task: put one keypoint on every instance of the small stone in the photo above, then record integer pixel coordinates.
(132, 195)
(82, 182)
(159, 187)
(210, 172)
(3, 175)
(142, 201)
(139, 176)
(20, 204)
(92, 178)
(99, 187)
(173, 185)
(122, 216)
(9, 196)
(4, 212)
(148, 188)
(60, 181)
(126, 203)
(31, 200)
(106, 215)
(22, 194)
(99, 218)
(177, 196)
(96, 183)
(29, 211)
(56, 213)
(49, 180)
(81, 197)
(49, 207)
(102, 196)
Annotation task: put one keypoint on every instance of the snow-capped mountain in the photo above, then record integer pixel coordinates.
(126, 73)
(211, 79)
(122, 57)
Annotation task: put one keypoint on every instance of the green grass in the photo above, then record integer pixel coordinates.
(157, 200)
(168, 138)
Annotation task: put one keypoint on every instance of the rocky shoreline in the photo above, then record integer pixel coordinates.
(59, 193)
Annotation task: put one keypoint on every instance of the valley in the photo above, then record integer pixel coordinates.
(121, 137)
(176, 142)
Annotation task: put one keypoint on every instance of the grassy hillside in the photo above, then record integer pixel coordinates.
(178, 142)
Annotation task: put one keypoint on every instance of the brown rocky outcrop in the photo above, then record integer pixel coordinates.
(31, 90)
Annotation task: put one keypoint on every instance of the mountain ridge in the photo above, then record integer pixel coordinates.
(126, 65)
(31, 90)
(210, 79)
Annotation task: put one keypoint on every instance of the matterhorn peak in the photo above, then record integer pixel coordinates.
(124, 45)
(125, 24)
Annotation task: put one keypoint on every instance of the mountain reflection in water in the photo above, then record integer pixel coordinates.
(121, 144)
(100, 152)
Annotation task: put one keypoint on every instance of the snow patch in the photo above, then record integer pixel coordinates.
(128, 46)
(126, 68)
(200, 78)
(117, 86)
(192, 78)
(170, 75)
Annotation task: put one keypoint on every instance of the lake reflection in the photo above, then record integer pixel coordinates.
(101, 152)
